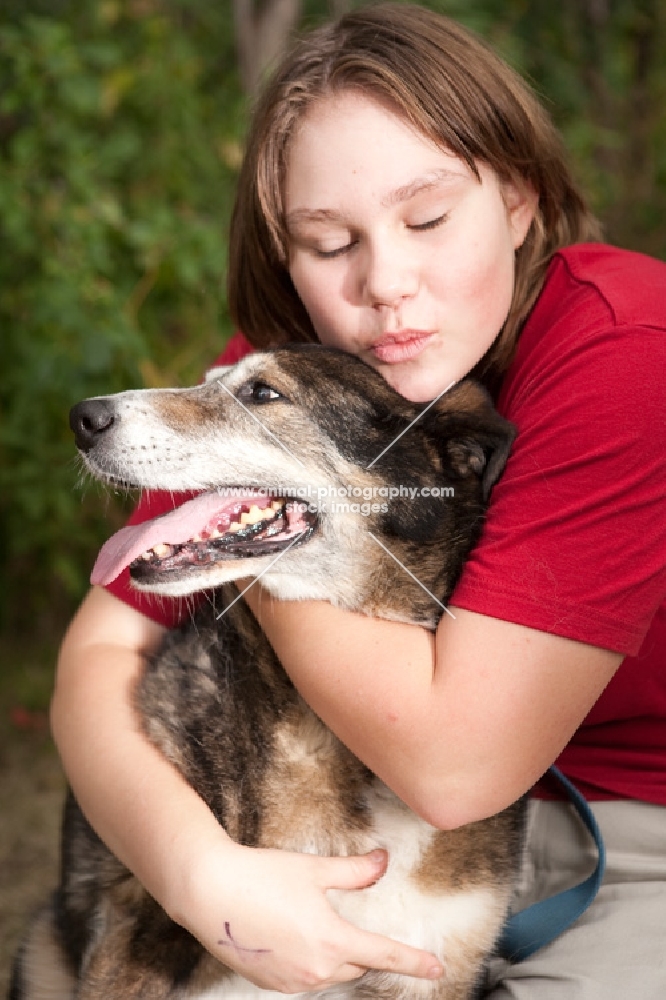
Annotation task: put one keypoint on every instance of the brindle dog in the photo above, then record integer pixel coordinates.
(317, 476)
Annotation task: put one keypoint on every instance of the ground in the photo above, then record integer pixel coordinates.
(31, 792)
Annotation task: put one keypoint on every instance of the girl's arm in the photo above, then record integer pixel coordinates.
(159, 827)
(459, 724)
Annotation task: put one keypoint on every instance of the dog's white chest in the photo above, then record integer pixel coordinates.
(402, 905)
(399, 906)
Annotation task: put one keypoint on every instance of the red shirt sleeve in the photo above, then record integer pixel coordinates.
(575, 538)
(166, 610)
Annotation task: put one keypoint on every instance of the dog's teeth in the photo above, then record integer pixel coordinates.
(235, 526)
(276, 505)
(196, 538)
(162, 549)
(253, 515)
(215, 533)
(145, 556)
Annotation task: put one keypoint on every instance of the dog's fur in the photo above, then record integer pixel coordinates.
(220, 707)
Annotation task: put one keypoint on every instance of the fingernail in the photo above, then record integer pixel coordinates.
(435, 971)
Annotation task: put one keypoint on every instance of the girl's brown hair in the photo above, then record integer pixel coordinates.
(452, 89)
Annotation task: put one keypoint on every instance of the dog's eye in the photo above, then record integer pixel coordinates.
(258, 392)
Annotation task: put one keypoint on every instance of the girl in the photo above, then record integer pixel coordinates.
(405, 198)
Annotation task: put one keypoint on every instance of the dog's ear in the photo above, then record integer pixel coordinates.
(473, 438)
(483, 456)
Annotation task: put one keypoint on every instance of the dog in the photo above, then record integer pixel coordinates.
(314, 474)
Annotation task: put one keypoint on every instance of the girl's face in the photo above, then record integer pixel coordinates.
(397, 251)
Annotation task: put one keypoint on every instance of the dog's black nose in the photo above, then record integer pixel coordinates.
(89, 420)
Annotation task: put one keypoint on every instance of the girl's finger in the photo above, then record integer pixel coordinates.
(356, 872)
(373, 951)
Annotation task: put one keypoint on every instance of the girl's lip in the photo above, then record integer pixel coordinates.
(403, 345)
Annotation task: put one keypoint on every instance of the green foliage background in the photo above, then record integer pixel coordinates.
(121, 129)
(118, 132)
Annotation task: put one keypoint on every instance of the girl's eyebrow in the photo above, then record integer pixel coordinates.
(433, 179)
(300, 215)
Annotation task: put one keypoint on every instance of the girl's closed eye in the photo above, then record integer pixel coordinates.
(422, 227)
(329, 254)
(323, 246)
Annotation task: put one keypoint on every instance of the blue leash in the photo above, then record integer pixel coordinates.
(533, 928)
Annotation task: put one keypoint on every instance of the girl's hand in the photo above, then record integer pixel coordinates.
(265, 914)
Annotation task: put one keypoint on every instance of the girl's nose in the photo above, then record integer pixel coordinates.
(389, 276)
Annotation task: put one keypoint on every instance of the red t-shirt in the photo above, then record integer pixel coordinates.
(575, 538)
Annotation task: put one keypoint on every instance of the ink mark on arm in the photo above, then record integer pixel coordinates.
(237, 947)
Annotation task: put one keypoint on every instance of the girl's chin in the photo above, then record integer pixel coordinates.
(418, 387)
(424, 378)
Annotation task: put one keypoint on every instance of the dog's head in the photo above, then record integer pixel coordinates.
(313, 473)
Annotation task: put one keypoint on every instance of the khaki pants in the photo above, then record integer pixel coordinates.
(617, 949)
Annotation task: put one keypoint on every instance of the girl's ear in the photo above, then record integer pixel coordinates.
(521, 202)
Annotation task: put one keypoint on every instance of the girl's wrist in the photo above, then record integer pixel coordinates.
(198, 854)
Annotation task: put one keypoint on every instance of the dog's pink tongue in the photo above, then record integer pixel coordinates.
(174, 528)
